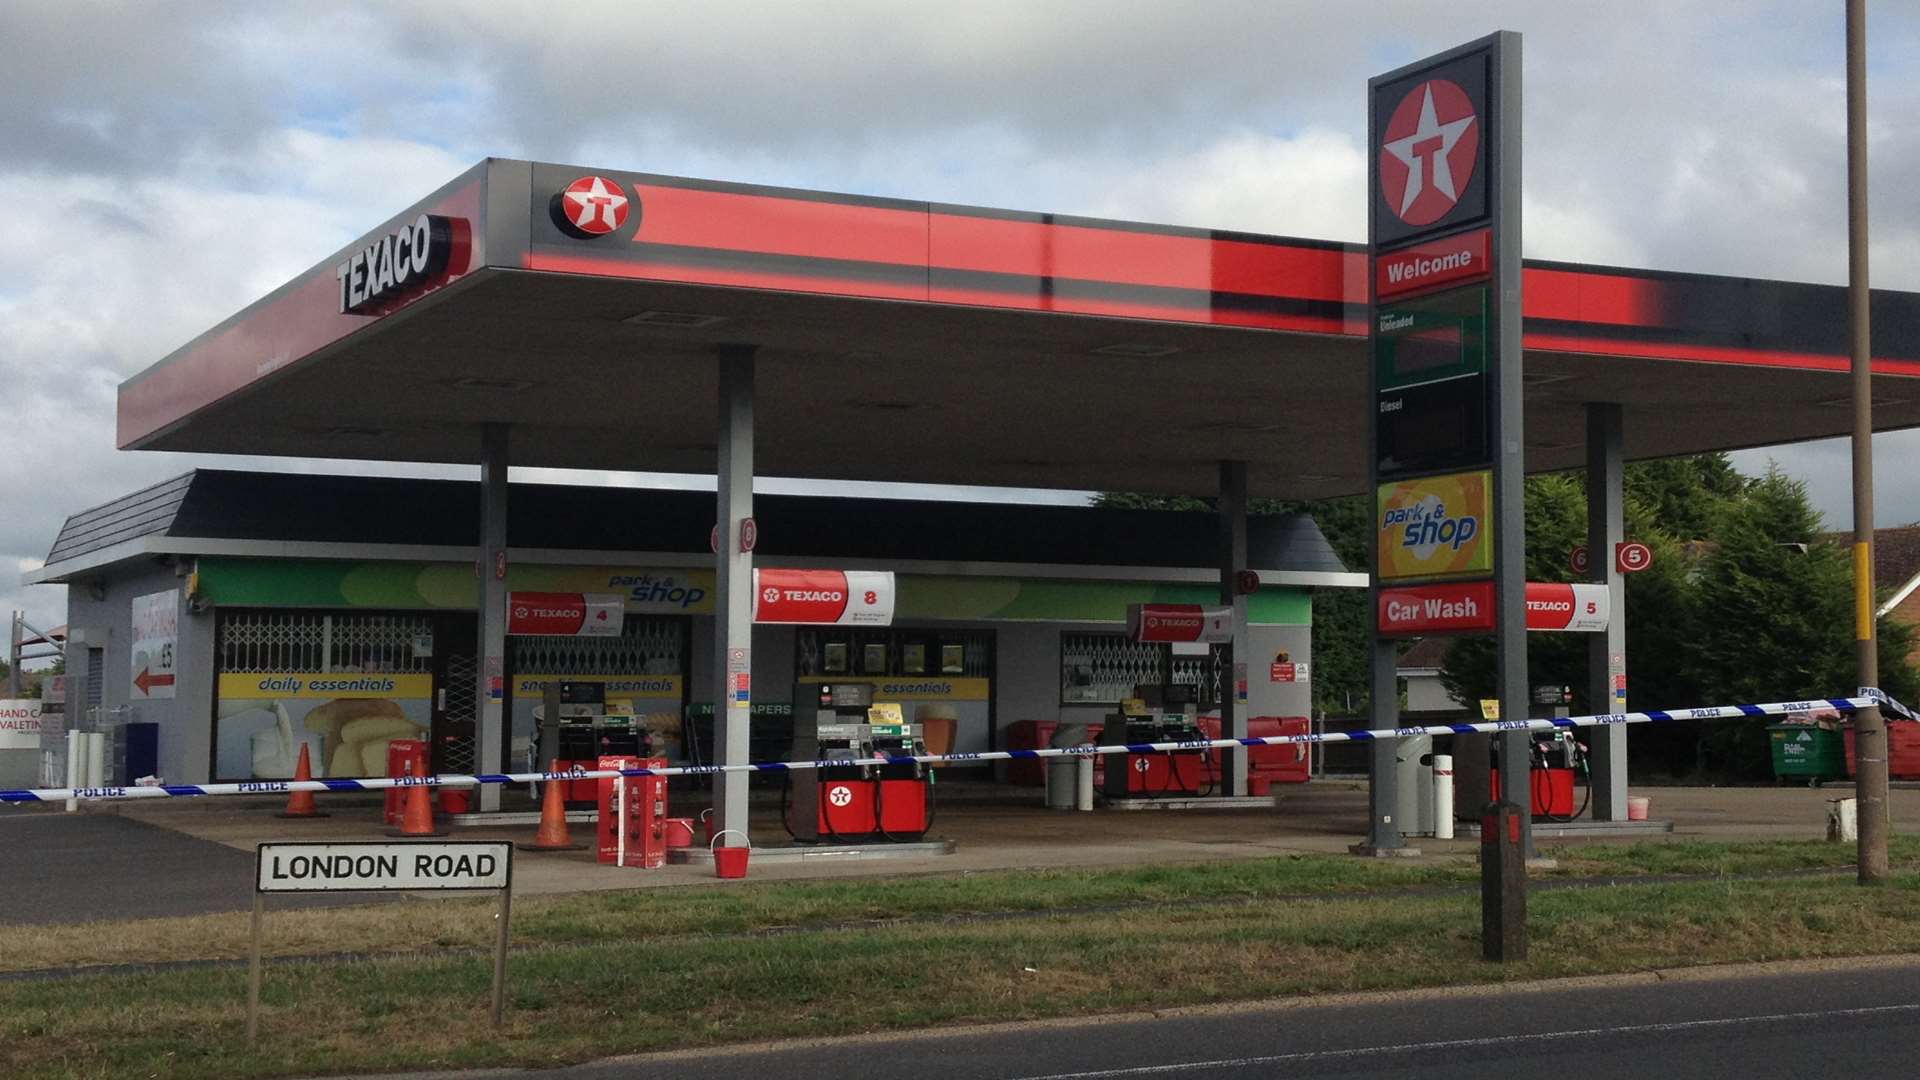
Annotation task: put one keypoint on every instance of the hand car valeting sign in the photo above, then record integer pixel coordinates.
(857, 597)
(19, 724)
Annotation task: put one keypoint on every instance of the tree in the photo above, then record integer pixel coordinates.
(1773, 619)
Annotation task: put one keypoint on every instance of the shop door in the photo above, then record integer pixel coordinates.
(456, 713)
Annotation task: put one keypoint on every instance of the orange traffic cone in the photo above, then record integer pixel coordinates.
(553, 819)
(300, 803)
(417, 819)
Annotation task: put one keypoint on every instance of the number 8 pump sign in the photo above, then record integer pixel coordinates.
(1435, 527)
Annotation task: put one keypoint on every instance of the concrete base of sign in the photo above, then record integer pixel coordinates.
(797, 853)
(1370, 852)
(1597, 829)
(1198, 802)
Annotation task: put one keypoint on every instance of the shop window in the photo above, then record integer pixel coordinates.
(276, 641)
(1103, 669)
(823, 652)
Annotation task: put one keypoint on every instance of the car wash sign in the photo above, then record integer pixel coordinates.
(843, 597)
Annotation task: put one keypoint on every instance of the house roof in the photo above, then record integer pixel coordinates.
(1896, 563)
(1427, 653)
(308, 510)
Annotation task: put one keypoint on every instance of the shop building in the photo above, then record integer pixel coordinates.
(249, 614)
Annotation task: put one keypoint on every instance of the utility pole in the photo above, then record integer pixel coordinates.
(13, 657)
(1870, 727)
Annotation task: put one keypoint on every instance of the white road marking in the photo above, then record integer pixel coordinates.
(1463, 1044)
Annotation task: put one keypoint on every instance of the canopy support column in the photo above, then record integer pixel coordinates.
(1607, 651)
(1232, 511)
(733, 591)
(490, 729)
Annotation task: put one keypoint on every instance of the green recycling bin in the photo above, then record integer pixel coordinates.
(1805, 752)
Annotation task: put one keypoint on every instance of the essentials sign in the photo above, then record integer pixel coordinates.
(378, 867)
(409, 258)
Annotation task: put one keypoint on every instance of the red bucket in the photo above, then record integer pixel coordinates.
(679, 832)
(456, 800)
(729, 862)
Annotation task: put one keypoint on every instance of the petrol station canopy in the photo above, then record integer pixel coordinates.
(923, 342)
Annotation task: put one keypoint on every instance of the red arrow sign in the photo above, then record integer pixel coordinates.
(146, 680)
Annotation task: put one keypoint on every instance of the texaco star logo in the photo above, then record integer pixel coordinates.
(1428, 151)
(839, 796)
(591, 206)
(770, 594)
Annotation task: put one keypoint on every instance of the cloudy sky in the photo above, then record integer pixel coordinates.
(162, 165)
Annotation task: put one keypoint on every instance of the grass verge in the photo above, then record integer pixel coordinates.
(653, 914)
(646, 970)
(577, 1001)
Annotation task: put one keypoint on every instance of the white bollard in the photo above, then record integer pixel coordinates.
(76, 764)
(1443, 796)
(1083, 784)
(96, 760)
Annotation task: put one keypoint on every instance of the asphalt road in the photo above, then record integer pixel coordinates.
(1857, 1020)
(71, 868)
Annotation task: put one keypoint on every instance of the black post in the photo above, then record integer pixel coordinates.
(1503, 884)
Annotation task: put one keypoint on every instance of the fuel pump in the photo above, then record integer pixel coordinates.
(832, 801)
(576, 727)
(1157, 713)
(903, 791)
(850, 802)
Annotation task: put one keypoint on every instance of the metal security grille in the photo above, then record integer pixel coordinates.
(96, 676)
(462, 698)
(646, 646)
(266, 641)
(1099, 668)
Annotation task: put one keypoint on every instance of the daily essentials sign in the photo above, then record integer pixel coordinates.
(1435, 527)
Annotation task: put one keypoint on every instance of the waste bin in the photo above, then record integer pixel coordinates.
(1062, 771)
(1806, 752)
(1413, 764)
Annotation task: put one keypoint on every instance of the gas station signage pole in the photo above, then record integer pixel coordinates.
(1445, 462)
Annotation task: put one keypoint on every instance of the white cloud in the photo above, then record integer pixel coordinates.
(175, 162)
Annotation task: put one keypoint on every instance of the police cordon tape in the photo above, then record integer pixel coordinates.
(1869, 697)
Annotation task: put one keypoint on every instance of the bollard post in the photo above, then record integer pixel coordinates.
(1503, 884)
(1443, 796)
(1083, 784)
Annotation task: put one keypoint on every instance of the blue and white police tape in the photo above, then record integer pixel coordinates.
(281, 787)
(1885, 701)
